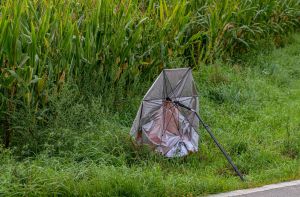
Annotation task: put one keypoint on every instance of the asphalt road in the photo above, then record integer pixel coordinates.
(291, 191)
(286, 189)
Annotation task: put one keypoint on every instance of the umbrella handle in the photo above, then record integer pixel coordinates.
(207, 128)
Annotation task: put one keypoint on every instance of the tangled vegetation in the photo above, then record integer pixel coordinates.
(73, 73)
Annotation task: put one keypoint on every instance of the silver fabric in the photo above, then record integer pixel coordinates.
(165, 126)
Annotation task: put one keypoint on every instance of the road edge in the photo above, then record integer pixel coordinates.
(258, 189)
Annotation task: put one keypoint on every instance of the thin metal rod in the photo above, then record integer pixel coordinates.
(207, 128)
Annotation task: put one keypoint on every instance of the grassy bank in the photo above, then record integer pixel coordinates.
(252, 107)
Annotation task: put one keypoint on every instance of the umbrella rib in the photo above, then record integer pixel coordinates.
(191, 124)
(166, 79)
(181, 80)
(171, 116)
(188, 98)
(172, 91)
(151, 101)
(165, 128)
(165, 86)
(177, 125)
(180, 94)
(172, 97)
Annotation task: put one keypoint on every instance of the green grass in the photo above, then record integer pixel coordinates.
(253, 108)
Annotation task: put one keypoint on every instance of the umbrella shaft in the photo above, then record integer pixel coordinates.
(221, 148)
(207, 128)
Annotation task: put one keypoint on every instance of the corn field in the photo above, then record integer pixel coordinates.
(107, 46)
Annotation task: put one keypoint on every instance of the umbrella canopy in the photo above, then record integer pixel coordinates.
(165, 126)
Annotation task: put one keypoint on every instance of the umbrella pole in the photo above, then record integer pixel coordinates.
(207, 128)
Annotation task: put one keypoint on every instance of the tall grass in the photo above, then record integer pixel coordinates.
(102, 46)
(223, 29)
(113, 48)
